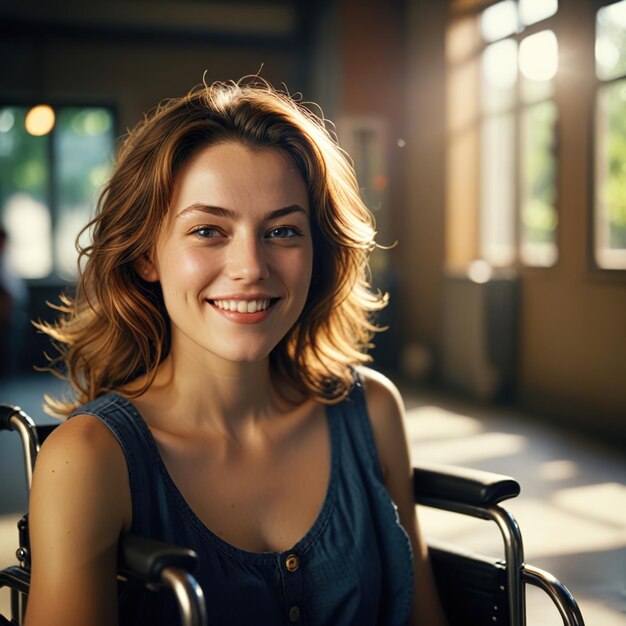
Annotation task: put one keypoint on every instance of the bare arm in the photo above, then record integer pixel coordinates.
(80, 502)
(386, 411)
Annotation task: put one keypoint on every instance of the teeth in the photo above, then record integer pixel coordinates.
(242, 306)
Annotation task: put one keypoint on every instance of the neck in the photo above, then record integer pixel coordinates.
(219, 396)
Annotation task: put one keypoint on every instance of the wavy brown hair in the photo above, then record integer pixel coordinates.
(116, 327)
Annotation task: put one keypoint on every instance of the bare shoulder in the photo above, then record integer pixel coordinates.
(79, 505)
(80, 429)
(386, 412)
(82, 460)
(81, 447)
(381, 394)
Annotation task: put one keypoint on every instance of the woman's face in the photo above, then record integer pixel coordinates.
(235, 254)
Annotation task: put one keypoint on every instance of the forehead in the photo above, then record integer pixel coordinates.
(238, 177)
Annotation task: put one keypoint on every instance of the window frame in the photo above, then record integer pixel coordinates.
(592, 217)
(473, 9)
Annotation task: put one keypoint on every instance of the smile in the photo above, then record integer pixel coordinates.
(244, 306)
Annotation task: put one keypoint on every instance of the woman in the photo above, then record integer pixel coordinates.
(216, 345)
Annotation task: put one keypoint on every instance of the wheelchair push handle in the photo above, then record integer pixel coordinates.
(7, 412)
(154, 562)
(13, 418)
(146, 559)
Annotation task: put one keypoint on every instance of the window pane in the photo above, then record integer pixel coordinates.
(497, 226)
(499, 20)
(24, 182)
(532, 11)
(610, 182)
(499, 75)
(538, 64)
(83, 147)
(611, 41)
(538, 185)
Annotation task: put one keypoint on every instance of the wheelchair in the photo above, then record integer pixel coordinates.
(475, 590)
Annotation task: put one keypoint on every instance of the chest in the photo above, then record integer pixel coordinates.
(257, 500)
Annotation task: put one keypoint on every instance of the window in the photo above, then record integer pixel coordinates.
(610, 138)
(52, 165)
(502, 62)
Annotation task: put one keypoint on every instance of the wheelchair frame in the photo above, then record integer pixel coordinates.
(478, 494)
(459, 490)
(153, 563)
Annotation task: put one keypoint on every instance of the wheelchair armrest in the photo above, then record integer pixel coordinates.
(156, 562)
(433, 484)
(145, 559)
(15, 577)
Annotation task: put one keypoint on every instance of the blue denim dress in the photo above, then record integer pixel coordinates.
(353, 567)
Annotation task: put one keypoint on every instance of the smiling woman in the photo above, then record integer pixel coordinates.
(336, 326)
(235, 249)
(216, 346)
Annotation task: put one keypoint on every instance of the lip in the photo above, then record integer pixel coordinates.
(245, 318)
(244, 296)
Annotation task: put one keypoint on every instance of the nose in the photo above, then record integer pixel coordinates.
(247, 260)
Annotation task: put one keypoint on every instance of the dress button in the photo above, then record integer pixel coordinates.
(292, 563)
(294, 614)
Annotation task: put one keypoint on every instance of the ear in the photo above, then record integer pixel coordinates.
(146, 268)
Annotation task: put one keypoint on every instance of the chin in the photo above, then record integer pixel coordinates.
(245, 355)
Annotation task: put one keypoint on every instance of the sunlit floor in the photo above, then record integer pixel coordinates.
(572, 510)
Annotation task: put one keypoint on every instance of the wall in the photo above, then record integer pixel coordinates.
(573, 362)
(132, 55)
(365, 71)
(423, 209)
(572, 343)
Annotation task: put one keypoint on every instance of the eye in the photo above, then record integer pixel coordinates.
(206, 232)
(284, 232)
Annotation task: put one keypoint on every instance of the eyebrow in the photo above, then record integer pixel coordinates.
(219, 211)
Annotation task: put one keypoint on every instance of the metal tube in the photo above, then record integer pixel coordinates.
(514, 550)
(15, 606)
(558, 592)
(27, 430)
(13, 418)
(190, 596)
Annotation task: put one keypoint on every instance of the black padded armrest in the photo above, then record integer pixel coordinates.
(145, 559)
(433, 483)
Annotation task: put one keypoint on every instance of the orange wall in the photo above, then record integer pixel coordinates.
(374, 69)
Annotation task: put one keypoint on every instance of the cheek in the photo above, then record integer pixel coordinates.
(301, 269)
(184, 268)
